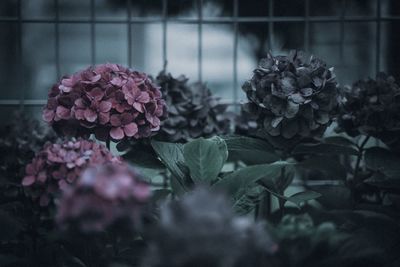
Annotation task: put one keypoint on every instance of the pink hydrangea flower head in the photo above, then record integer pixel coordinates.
(103, 195)
(58, 165)
(107, 98)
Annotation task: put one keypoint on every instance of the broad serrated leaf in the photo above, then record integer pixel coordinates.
(205, 158)
(238, 181)
(171, 155)
(324, 148)
(250, 150)
(301, 197)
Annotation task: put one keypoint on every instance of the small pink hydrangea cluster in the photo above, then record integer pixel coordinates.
(59, 165)
(103, 195)
(108, 100)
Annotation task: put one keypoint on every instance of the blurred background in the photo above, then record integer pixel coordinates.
(218, 42)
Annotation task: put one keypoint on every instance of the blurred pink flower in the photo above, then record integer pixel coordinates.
(58, 165)
(103, 195)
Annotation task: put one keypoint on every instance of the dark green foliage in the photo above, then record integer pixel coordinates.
(302, 243)
(372, 108)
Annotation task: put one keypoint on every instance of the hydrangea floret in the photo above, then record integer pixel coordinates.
(292, 97)
(58, 165)
(192, 110)
(372, 107)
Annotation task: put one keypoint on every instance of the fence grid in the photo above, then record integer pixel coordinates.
(165, 20)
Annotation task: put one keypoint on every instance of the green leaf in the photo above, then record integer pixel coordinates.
(250, 150)
(148, 173)
(171, 155)
(160, 194)
(177, 186)
(146, 158)
(333, 196)
(301, 197)
(381, 159)
(329, 166)
(278, 183)
(238, 181)
(339, 140)
(247, 202)
(324, 148)
(205, 158)
(297, 198)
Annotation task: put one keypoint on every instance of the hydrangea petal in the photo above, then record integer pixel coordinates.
(105, 106)
(115, 120)
(90, 115)
(48, 115)
(28, 180)
(130, 129)
(63, 113)
(117, 133)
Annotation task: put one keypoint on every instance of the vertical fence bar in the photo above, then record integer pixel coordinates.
(20, 64)
(235, 54)
(378, 36)
(164, 58)
(307, 25)
(92, 33)
(270, 25)
(57, 37)
(342, 15)
(164, 33)
(129, 31)
(200, 39)
(263, 209)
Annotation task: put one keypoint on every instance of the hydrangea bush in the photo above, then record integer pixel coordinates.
(192, 110)
(108, 216)
(108, 100)
(103, 195)
(58, 165)
(372, 107)
(292, 97)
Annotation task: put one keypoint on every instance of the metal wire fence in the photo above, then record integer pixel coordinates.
(200, 20)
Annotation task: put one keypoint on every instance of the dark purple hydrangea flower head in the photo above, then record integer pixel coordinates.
(372, 107)
(103, 195)
(193, 111)
(108, 100)
(202, 230)
(292, 98)
(58, 165)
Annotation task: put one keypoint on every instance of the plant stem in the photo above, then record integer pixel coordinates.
(281, 201)
(359, 157)
(108, 141)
